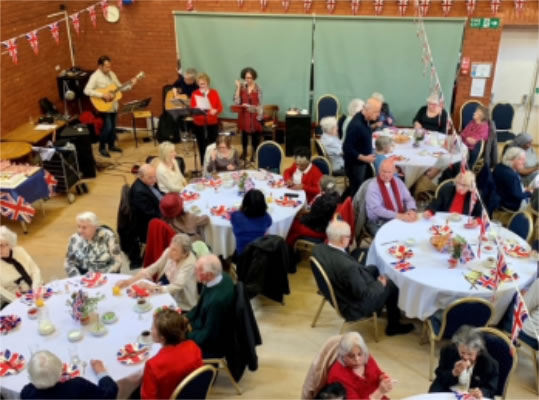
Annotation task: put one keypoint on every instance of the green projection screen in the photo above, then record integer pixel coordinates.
(354, 57)
(277, 47)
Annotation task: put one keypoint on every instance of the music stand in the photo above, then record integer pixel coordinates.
(191, 112)
(135, 105)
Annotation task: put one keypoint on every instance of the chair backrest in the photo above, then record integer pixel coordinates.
(502, 350)
(471, 311)
(521, 223)
(196, 385)
(269, 155)
(207, 156)
(320, 148)
(360, 206)
(323, 164)
(476, 157)
(340, 123)
(503, 114)
(324, 284)
(327, 106)
(466, 112)
(271, 111)
(441, 185)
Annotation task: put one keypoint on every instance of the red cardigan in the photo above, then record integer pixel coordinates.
(215, 102)
(310, 180)
(356, 387)
(166, 370)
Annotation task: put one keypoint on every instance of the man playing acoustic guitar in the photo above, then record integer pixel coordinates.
(102, 78)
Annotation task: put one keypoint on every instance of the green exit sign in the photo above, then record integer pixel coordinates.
(485, 23)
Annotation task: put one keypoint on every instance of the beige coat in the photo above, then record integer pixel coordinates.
(318, 372)
(8, 274)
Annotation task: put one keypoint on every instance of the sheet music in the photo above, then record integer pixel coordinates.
(45, 127)
(202, 102)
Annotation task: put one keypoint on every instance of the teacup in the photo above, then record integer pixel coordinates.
(145, 337)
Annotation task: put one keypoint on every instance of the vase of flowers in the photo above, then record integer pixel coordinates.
(82, 306)
(243, 182)
(419, 135)
(457, 245)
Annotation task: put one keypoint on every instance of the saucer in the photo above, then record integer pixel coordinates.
(142, 309)
(74, 335)
(109, 317)
(98, 330)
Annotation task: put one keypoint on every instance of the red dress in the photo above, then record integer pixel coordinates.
(166, 370)
(356, 387)
(310, 180)
(247, 121)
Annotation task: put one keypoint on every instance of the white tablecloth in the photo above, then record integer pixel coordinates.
(434, 396)
(432, 285)
(218, 234)
(419, 159)
(26, 339)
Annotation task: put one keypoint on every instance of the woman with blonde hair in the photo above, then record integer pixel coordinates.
(224, 157)
(169, 176)
(431, 117)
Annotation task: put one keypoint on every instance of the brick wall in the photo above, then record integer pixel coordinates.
(144, 39)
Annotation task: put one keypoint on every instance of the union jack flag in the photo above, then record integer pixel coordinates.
(33, 40)
(403, 5)
(466, 254)
(378, 6)
(240, 3)
(263, 4)
(495, 6)
(446, 7)
(133, 353)
(463, 396)
(330, 5)
(402, 265)
(190, 6)
(285, 4)
(11, 46)
(307, 4)
(470, 6)
(76, 22)
(10, 363)
(104, 7)
(93, 16)
(70, 371)
(501, 273)
(484, 224)
(487, 282)
(354, 5)
(120, 3)
(16, 209)
(55, 32)
(519, 5)
(51, 182)
(519, 316)
(424, 7)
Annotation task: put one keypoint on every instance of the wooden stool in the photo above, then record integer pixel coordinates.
(143, 114)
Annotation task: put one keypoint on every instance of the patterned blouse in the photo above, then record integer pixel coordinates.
(101, 254)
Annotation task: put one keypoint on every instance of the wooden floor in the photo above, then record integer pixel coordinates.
(289, 342)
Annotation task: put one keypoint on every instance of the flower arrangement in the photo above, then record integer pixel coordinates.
(245, 183)
(82, 305)
(419, 135)
(458, 244)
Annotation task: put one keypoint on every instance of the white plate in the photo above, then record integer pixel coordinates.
(143, 309)
(102, 330)
(74, 335)
(109, 321)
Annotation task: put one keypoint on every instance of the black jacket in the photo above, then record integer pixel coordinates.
(358, 292)
(442, 203)
(358, 140)
(484, 376)
(321, 212)
(263, 268)
(76, 388)
(144, 206)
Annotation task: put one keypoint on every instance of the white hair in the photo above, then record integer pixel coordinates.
(355, 106)
(336, 230)
(433, 98)
(44, 369)
(88, 216)
(348, 342)
(143, 169)
(382, 142)
(190, 72)
(511, 154)
(378, 96)
(328, 123)
(165, 149)
(211, 264)
(182, 241)
(8, 236)
(470, 337)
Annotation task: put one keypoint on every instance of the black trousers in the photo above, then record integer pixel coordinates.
(391, 293)
(203, 140)
(255, 140)
(356, 175)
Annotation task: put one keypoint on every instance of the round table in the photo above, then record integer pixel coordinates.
(432, 285)
(418, 159)
(14, 150)
(435, 396)
(25, 339)
(218, 234)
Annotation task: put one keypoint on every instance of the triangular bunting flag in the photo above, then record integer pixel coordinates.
(76, 22)
(11, 46)
(55, 32)
(93, 16)
(32, 39)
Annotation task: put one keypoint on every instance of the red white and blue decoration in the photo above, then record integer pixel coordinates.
(519, 5)
(8, 323)
(403, 6)
(424, 7)
(402, 266)
(446, 7)
(354, 5)
(307, 5)
(11, 363)
(133, 353)
(41, 293)
(104, 7)
(16, 209)
(463, 396)
(11, 46)
(470, 6)
(33, 40)
(467, 254)
(495, 6)
(263, 4)
(70, 371)
(330, 5)
(378, 6)
(285, 4)
(93, 279)
(488, 282)
(55, 31)
(520, 314)
(93, 15)
(76, 22)
(51, 182)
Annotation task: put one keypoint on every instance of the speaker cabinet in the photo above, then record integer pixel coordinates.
(298, 133)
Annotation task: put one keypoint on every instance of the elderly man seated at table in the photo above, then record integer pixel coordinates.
(210, 319)
(175, 273)
(358, 371)
(388, 198)
(181, 221)
(20, 273)
(531, 167)
(93, 248)
(144, 198)
(466, 366)
(333, 145)
(513, 195)
(303, 175)
(359, 290)
(45, 371)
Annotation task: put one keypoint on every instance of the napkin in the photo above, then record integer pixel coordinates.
(402, 266)
(30, 296)
(287, 202)
(93, 279)
(11, 363)
(8, 323)
(133, 353)
(222, 211)
(440, 230)
(401, 251)
(516, 251)
(137, 291)
(189, 196)
(280, 183)
(70, 371)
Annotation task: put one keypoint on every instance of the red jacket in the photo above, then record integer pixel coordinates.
(356, 387)
(168, 368)
(310, 180)
(215, 102)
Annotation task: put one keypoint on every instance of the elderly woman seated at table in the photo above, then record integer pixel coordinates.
(513, 195)
(531, 167)
(45, 372)
(385, 119)
(332, 144)
(177, 358)
(93, 248)
(456, 198)
(313, 223)
(174, 214)
(251, 221)
(358, 371)
(466, 366)
(477, 128)
(388, 198)
(383, 146)
(169, 176)
(20, 273)
(355, 106)
(174, 271)
(303, 175)
(431, 117)
(224, 157)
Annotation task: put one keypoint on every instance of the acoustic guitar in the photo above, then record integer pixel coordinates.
(177, 102)
(103, 105)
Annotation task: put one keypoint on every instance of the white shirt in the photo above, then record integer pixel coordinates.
(99, 80)
(297, 178)
(215, 281)
(333, 147)
(464, 380)
(170, 180)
